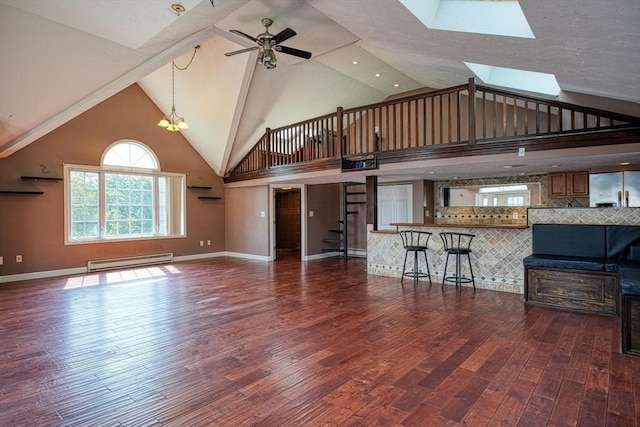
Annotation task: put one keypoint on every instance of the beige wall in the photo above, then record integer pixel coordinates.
(247, 232)
(33, 225)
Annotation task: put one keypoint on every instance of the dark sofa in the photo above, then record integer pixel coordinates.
(592, 268)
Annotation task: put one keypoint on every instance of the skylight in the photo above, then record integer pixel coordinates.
(501, 18)
(530, 81)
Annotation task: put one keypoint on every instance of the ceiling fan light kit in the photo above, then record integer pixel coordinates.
(269, 44)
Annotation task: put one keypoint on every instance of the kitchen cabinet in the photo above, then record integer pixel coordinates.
(568, 184)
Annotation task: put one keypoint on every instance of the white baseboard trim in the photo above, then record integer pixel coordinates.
(198, 256)
(42, 274)
(83, 270)
(359, 253)
(321, 256)
(248, 256)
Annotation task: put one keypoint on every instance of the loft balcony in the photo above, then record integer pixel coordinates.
(438, 124)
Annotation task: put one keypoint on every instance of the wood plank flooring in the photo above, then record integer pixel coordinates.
(235, 342)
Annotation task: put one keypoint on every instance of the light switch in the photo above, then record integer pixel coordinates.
(311, 214)
(263, 214)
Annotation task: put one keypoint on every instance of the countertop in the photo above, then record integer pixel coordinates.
(491, 226)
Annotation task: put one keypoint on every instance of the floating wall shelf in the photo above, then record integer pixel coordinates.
(199, 187)
(21, 192)
(210, 197)
(41, 178)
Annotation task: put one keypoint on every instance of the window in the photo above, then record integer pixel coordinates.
(126, 198)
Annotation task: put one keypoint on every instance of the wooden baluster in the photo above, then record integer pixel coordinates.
(483, 108)
(537, 118)
(387, 128)
(401, 123)
(268, 151)
(432, 101)
(458, 117)
(560, 112)
(472, 111)
(441, 136)
(573, 120)
(504, 115)
(340, 150)
(449, 116)
(526, 117)
(515, 116)
(393, 123)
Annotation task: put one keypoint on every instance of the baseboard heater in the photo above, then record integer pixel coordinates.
(134, 261)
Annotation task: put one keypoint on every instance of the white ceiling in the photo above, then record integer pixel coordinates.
(59, 58)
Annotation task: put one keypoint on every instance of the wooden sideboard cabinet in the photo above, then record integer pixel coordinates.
(568, 184)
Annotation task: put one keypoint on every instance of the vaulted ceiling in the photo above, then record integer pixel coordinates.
(59, 58)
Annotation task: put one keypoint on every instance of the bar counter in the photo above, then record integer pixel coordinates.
(407, 225)
(497, 253)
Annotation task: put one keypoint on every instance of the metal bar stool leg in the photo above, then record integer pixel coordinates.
(426, 261)
(473, 280)
(458, 273)
(404, 266)
(444, 274)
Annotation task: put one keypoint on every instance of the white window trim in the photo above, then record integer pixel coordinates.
(115, 169)
(134, 142)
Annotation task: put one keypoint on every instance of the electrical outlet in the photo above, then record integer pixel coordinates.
(208, 242)
(18, 258)
(311, 214)
(1, 260)
(515, 215)
(201, 242)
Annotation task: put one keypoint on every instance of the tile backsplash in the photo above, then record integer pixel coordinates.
(497, 215)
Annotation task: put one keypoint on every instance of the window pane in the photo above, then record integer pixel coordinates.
(127, 203)
(125, 211)
(84, 204)
(130, 154)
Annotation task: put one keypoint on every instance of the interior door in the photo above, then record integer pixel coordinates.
(395, 204)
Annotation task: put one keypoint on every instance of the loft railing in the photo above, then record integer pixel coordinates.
(440, 118)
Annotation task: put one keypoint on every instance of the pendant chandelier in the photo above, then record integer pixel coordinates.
(173, 122)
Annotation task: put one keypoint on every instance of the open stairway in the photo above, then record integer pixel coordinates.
(350, 199)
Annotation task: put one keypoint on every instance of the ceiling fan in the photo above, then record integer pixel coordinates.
(269, 43)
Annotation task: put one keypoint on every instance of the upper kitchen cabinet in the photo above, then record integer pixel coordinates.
(568, 184)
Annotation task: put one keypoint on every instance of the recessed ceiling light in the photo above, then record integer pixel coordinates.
(377, 74)
(355, 62)
(555, 166)
(624, 163)
(507, 167)
(431, 173)
(177, 8)
(396, 85)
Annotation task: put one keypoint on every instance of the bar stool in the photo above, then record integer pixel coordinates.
(415, 241)
(457, 244)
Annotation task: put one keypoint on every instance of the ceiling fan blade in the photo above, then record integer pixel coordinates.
(283, 35)
(295, 52)
(241, 51)
(240, 33)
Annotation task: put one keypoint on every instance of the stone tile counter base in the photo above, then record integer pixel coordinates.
(496, 258)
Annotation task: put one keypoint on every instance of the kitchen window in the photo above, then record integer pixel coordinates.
(126, 198)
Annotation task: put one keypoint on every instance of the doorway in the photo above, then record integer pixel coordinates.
(288, 227)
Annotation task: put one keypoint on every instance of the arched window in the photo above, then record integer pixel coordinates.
(131, 154)
(126, 198)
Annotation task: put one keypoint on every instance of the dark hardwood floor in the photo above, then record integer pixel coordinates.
(236, 342)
